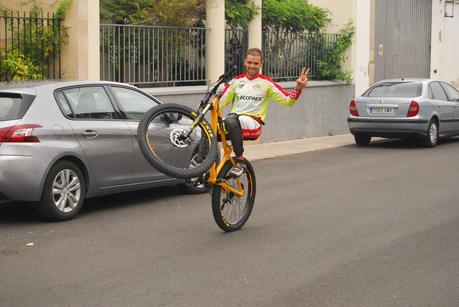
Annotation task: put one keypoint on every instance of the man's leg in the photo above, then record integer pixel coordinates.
(251, 128)
(239, 128)
(234, 130)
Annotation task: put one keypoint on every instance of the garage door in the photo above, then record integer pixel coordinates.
(403, 33)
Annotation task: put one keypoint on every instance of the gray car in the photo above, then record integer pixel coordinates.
(62, 142)
(405, 108)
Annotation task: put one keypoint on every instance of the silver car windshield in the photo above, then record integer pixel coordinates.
(395, 89)
(10, 107)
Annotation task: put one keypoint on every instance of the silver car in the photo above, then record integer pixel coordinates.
(62, 142)
(405, 108)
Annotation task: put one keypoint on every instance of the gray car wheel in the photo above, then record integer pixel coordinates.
(362, 139)
(431, 138)
(63, 193)
(196, 185)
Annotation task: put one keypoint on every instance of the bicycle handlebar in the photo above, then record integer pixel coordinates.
(205, 104)
(226, 76)
(223, 78)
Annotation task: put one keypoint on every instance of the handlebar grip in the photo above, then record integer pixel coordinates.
(228, 74)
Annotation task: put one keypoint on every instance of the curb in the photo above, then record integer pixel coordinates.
(261, 151)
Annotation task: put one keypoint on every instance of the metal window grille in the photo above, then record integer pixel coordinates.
(34, 42)
(152, 55)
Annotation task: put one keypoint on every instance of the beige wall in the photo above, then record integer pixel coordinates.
(341, 12)
(81, 56)
(358, 57)
(215, 40)
(255, 26)
(48, 6)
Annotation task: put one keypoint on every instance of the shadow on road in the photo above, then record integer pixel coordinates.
(24, 213)
(135, 198)
(18, 213)
(406, 143)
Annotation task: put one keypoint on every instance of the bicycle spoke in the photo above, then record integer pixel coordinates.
(233, 207)
(167, 139)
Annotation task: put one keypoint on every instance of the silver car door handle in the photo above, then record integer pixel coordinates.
(90, 134)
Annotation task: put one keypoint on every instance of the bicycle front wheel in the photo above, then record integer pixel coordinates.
(230, 211)
(163, 141)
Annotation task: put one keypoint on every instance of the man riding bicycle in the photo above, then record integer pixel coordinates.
(249, 94)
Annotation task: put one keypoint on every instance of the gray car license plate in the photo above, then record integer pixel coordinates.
(382, 110)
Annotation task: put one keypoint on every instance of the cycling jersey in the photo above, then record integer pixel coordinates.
(250, 96)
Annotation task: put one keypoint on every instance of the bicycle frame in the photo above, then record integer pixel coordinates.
(218, 129)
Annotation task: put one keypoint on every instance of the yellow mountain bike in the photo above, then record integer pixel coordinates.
(181, 143)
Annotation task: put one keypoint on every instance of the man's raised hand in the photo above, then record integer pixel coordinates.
(302, 80)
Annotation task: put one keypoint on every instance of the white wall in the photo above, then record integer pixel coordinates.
(341, 12)
(361, 50)
(358, 57)
(444, 62)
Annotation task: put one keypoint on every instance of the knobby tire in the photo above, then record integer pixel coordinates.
(163, 166)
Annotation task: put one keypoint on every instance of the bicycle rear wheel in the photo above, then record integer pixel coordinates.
(230, 211)
(162, 139)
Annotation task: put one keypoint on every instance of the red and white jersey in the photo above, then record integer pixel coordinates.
(250, 96)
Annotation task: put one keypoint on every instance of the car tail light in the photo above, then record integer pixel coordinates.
(353, 108)
(413, 110)
(19, 134)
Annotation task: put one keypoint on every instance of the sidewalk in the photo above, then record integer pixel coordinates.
(275, 149)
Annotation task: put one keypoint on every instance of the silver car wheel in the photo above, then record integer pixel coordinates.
(433, 133)
(66, 190)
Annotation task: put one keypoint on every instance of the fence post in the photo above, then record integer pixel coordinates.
(81, 56)
(215, 45)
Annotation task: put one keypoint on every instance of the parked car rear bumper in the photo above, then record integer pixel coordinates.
(388, 127)
(21, 177)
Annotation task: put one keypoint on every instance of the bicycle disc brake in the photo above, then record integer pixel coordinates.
(179, 139)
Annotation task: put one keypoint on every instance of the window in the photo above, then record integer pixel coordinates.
(89, 103)
(451, 92)
(10, 107)
(395, 89)
(63, 104)
(133, 103)
(437, 91)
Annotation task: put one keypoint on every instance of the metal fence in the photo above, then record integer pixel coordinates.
(29, 46)
(236, 44)
(173, 56)
(160, 56)
(287, 52)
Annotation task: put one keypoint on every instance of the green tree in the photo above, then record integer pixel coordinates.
(293, 15)
(183, 13)
(238, 13)
(331, 69)
(285, 22)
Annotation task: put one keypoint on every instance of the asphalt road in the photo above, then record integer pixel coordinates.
(376, 226)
